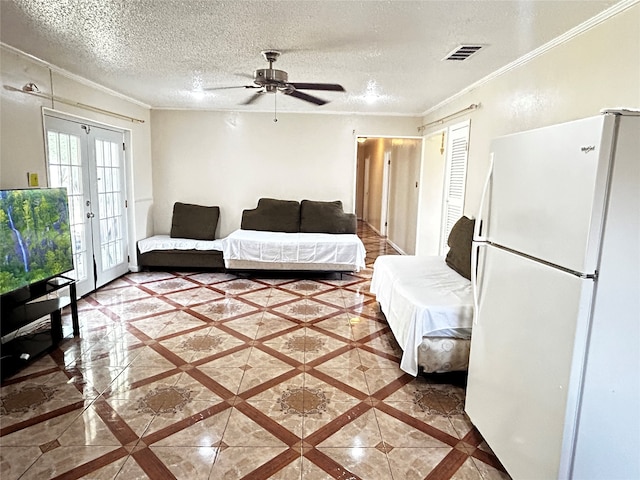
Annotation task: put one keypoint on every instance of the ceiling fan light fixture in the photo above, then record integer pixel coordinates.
(271, 80)
(265, 76)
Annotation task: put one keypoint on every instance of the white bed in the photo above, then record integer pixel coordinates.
(252, 249)
(429, 308)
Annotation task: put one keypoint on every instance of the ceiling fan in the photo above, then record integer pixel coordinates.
(270, 80)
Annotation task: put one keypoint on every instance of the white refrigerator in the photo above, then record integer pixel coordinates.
(554, 370)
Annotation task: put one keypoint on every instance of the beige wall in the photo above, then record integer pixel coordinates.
(432, 177)
(404, 183)
(599, 68)
(231, 159)
(22, 146)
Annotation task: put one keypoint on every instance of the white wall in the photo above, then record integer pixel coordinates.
(22, 147)
(231, 159)
(597, 69)
(431, 194)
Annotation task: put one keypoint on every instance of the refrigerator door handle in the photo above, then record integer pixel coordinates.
(478, 241)
(474, 280)
(475, 285)
(479, 220)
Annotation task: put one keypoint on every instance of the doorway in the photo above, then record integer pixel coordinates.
(88, 160)
(387, 186)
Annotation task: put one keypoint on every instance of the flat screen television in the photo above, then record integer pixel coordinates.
(35, 237)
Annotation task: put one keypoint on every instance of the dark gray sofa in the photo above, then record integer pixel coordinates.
(191, 222)
(307, 216)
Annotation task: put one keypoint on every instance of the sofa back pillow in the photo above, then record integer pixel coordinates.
(194, 221)
(326, 217)
(459, 241)
(272, 215)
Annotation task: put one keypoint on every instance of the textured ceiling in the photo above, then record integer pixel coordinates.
(387, 54)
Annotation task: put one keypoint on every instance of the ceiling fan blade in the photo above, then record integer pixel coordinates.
(318, 86)
(253, 98)
(305, 97)
(228, 88)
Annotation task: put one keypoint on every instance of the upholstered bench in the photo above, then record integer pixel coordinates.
(190, 244)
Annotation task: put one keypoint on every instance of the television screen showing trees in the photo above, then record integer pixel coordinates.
(35, 238)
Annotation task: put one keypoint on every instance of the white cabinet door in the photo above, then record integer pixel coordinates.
(528, 338)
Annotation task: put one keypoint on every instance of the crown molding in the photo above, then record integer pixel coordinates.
(562, 39)
(72, 76)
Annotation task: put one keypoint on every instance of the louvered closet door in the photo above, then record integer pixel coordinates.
(88, 160)
(455, 179)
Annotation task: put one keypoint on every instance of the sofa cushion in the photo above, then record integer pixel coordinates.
(272, 215)
(325, 217)
(459, 241)
(194, 221)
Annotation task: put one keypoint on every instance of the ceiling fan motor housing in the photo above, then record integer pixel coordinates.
(267, 76)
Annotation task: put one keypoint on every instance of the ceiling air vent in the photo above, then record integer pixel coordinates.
(462, 52)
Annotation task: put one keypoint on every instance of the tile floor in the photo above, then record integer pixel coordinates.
(212, 375)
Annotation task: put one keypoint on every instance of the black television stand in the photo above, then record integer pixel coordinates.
(25, 308)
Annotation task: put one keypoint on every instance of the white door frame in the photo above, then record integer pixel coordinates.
(365, 189)
(386, 184)
(90, 204)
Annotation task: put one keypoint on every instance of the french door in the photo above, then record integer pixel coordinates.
(89, 161)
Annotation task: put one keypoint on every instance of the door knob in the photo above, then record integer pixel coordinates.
(90, 215)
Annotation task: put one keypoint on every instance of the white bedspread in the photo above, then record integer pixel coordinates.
(421, 296)
(165, 242)
(294, 248)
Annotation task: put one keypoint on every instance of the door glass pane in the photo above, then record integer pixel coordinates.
(106, 146)
(64, 148)
(100, 173)
(54, 155)
(76, 184)
(107, 180)
(110, 204)
(115, 155)
(65, 170)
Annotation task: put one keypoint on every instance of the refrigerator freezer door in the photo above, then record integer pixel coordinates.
(523, 383)
(548, 189)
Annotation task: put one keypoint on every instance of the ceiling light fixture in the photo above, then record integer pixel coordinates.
(371, 95)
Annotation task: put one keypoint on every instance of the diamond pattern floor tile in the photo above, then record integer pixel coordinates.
(216, 376)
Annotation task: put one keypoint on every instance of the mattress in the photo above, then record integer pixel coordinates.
(293, 251)
(421, 297)
(165, 242)
(443, 354)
